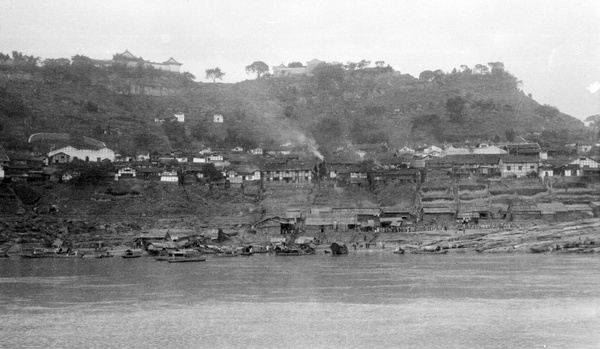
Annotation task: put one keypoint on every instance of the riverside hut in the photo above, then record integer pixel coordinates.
(554, 211)
(438, 214)
(274, 225)
(580, 211)
(595, 205)
(523, 211)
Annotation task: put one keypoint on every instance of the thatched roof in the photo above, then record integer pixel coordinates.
(579, 207)
(524, 207)
(552, 207)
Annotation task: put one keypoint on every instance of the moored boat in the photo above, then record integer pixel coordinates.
(429, 252)
(339, 249)
(52, 254)
(186, 259)
(294, 253)
(132, 254)
(227, 254)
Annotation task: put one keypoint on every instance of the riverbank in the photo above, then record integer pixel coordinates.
(29, 231)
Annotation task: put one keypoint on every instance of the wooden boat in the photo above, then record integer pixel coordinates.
(52, 255)
(186, 259)
(227, 254)
(132, 254)
(339, 249)
(429, 252)
(294, 253)
(183, 255)
(105, 256)
(400, 251)
(247, 254)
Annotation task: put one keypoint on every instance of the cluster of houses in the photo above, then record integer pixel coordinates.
(289, 164)
(292, 165)
(414, 218)
(512, 161)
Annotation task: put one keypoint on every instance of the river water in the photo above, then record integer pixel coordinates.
(364, 299)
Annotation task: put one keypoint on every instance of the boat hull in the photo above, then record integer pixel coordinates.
(187, 260)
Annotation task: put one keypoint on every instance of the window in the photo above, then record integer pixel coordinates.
(532, 167)
(508, 168)
(520, 168)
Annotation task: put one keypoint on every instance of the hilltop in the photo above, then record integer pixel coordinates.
(336, 107)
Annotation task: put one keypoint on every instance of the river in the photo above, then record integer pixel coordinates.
(364, 299)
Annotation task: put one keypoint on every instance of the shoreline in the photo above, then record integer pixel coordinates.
(581, 236)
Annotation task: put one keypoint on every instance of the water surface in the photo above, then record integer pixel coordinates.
(364, 299)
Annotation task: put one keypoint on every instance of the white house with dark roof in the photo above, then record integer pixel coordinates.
(68, 154)
(519, 166)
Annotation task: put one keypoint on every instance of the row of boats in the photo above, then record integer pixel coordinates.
(194, 255)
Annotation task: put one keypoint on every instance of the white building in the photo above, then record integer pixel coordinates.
(180, 117)
(218, 118)
(68, 154)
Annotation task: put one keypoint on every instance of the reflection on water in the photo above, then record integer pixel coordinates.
(359, 300)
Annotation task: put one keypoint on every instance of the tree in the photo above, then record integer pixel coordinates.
(547, 111)
(211, 173)
(189, 76)
(454, 108)
(82, 68)
(258, 68)
(295, 65)
(17, 56)
(465, 69)
(379, 64)
(497, 68)
(593, 122)
(426, 75)
(363, 64)
(214, 74)
(329, 77)
(481, 69)
(144, 140)
(510, 135)
(59, 66)
(350, 65)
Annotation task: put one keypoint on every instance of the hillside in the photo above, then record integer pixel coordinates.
(333, 108)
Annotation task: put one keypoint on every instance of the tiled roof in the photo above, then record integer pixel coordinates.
(474, 159)
(552, 207)
(511, 159)
(579, 207)
(524, 207)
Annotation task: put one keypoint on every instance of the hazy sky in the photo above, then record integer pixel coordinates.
(552, 46)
